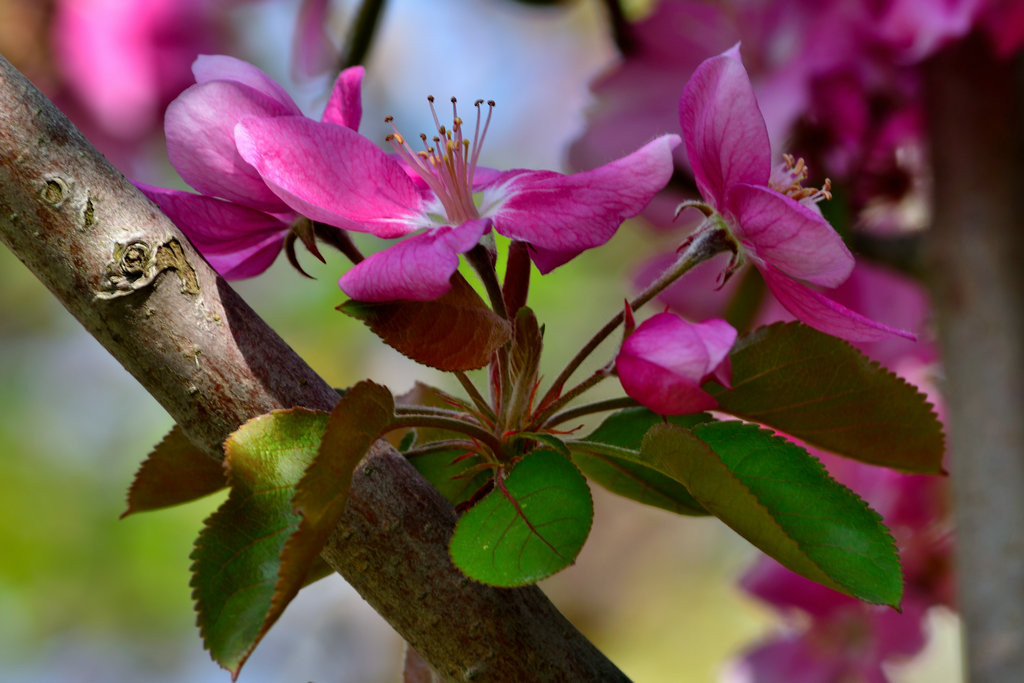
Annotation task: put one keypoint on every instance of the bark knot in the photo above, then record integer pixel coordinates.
(135, 265)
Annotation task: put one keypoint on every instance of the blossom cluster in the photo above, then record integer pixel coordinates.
(265, 174)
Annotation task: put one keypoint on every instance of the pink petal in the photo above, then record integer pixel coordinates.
(664, 394)
(210, 68)
(199, 126)
(331, 174)
(312, 50)
(788, 235)
(663, 363)
(345, 107)
(725, 135)
(238, 242)
(572, 213)
(418, 268)
(822, 313)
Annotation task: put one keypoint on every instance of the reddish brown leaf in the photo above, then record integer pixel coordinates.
(457, 331)
(174, 472)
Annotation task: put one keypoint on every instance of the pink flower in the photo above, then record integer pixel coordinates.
(124, 59)
(440, 200)
(844, 640)
(770, 216)
(237, 222)
(664, 362)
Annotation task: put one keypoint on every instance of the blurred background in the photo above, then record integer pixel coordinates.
(87, 597)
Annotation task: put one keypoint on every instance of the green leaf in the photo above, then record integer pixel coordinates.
(359, 418)
(237, 555)
(530, 526)
(826, 393)
(456, 331)
(611, 457)
(450, 474)
(290, 473)
(549, 440)
(175, 472)
(781, 499)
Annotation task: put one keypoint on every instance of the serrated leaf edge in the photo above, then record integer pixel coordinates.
(877, 518)
(197, 547)
(872, 364)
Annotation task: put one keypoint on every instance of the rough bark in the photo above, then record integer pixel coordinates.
(977, 259)
(137, 285)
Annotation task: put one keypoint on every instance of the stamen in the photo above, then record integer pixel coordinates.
(787, 178)
(448, 167)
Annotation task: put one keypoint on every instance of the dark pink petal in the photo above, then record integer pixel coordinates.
(547, 260)
(331, 174)
(663, 363)
(788, 235)
(312, 50)
(210, 68)
(418, 268)
(238, 242)
(822, 313)
(572, 213)
(345, 106)
(200, 125)
(725, 135)
(665, 394)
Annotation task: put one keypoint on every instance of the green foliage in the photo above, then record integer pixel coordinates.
(174, 472)
(457, 331)
(237, 555)
(611, 456)
(530, 526)
(452, 473)
(289, 473)
(825, 392)
(773, 493)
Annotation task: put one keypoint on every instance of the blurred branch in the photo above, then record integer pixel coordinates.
(137, 285)
(977, 270)
(360, 34)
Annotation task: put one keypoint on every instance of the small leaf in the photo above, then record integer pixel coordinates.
(550, 440)
(237, 554)
(449, 472)
(778, 497)
(530, 526)
(523, 362)
(175, 472)
(457, 331)
(610, 456)
(826, 393)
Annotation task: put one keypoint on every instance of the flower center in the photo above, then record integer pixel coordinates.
(447, 166)
(788, 177)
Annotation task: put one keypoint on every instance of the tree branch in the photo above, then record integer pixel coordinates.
(977, 267)
(137, 285)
